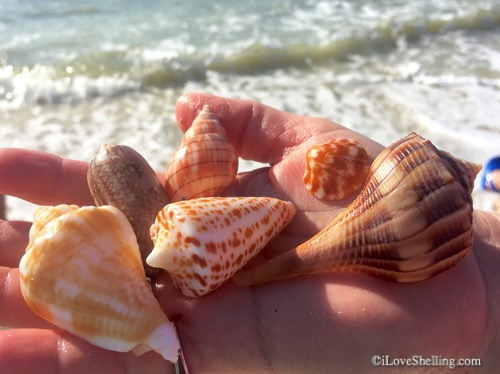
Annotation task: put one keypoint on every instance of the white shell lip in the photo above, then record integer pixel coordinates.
(163, 340)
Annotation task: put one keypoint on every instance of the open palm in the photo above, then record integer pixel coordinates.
(320, 323)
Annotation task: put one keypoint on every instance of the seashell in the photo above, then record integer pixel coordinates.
(45, 214)
(336, 169)
(121, 177)
(205, 163)
(82, 271)
(411, 221)
(203, 242)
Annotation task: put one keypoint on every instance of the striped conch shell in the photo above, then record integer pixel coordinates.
(203, 242)
(205, 163)
(411, 221)
(336, 169)
(82, 271)
(119, 176)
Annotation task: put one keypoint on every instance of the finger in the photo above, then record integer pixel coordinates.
(43, 178)
(13, 242)
(14, 312)
(248, 124)
(267, 135)
(48, 351)
(262, 133)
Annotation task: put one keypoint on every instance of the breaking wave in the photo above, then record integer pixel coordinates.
(115, 72)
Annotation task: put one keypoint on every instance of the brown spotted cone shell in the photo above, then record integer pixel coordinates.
(411, 221)
(202, 242)
(204, 164)
(336, 169)
(119, 176)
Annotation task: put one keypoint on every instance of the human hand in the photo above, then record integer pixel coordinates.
(36, 346)
(313, 323)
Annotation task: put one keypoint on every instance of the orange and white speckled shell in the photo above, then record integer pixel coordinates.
(336, 169)
(82, 271)
(205, 163)
(202, 242)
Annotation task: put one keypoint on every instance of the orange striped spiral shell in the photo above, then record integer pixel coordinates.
(205, 163)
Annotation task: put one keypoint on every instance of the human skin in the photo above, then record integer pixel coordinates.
(319, 323)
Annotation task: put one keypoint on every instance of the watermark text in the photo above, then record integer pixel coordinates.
(417, 360)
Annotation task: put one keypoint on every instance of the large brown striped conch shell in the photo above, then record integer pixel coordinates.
(411, 221)
(205, 163)
(336, 169)
(202, 242)
(119, 176)
(82, 271)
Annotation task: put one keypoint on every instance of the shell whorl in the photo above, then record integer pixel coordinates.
(411, 221)
(205, 163)
(82, 271)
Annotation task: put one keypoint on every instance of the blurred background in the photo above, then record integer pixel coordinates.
(75, 74)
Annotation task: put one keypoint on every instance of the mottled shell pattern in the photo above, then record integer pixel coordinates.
(411, 221)
(205, 163)
(202, 242)
(336, 169)
(82, 271)
(119, 176)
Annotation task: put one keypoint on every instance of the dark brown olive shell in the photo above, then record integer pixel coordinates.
(119, 176)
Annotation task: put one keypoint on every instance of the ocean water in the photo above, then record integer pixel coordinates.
(75, 74)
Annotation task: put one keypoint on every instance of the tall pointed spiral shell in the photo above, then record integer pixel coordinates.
(82, 271)
(412, 220)
(205, 163)
(202, 242)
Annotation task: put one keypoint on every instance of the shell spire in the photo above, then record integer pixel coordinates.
(204, 164)
(202, 242)
(82, 271)
(411, 221)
